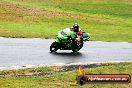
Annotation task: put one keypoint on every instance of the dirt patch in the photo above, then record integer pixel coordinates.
(16, 12)
(21, 34)
(50, 70)
(55, 69)
(12, 9)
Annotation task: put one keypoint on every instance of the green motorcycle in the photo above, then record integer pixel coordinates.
(71, 41)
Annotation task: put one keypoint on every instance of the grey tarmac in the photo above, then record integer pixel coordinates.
(35, 51)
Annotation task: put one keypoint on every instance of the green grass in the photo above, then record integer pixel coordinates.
(106, 20)
(61, 79)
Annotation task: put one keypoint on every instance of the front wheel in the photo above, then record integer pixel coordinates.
(77, 48)
(54, 47)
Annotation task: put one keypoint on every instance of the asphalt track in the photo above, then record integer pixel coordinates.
(21, 52)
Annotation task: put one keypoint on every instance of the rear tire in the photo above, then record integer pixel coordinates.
(54, 47)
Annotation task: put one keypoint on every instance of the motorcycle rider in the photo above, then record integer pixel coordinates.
(69, 39)
(65, 34)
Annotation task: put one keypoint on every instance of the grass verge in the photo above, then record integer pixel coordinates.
(105, 20)
(61, 76)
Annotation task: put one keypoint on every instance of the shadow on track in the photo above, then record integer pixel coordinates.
(68, 54)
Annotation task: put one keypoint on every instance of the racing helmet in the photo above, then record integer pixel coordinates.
(75, 27)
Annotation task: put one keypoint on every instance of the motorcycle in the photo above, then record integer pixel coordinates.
(74, 42)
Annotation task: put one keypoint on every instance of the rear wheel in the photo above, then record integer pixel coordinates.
(54, 47)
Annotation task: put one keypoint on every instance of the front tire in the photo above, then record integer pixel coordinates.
(54, 47)
(76, 49)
